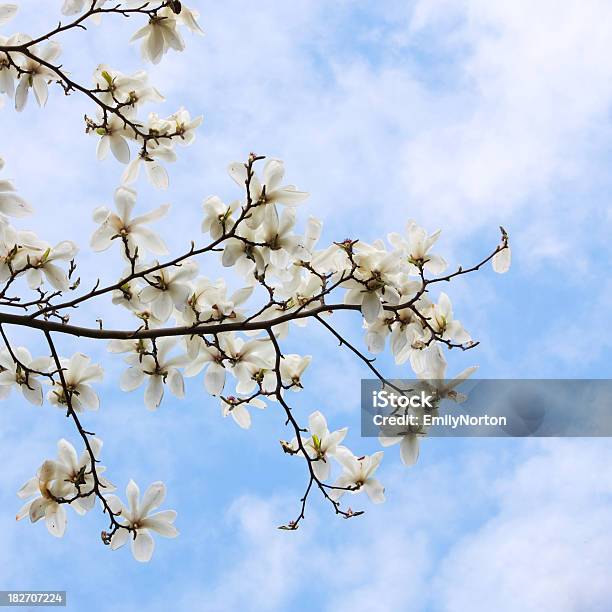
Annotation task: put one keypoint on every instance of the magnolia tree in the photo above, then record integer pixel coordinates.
(185, 324)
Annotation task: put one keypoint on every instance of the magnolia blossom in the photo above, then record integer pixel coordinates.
(161, 33)
(247, 261)
(15, 248)
(24, 373)
(47, 490)
(292, 367)
(168, 288)
(43, 266)
(128, 295)
(149, 158)
(209, 302)
(441, 321)
(67, 478)
(416, 249)
(120, 225)
(78, 373)
(250, 360)
(409, 446)
(10, 203)
(322, 444)
(237, 408)
(434, 374)
(277, 233)
(501, 260)
(113, 136)
(8, 72)
(211, 358)
(184, 126)
(247, 360)
(161, 369)
(141, 346)
(270, 191)
(358, 475)
(119, 88)
(35, 76)
(375, 280)
(218, 216)
(138, 522)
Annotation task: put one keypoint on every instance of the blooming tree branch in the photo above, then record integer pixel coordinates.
(185, 324)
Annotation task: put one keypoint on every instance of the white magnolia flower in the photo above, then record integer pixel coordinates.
(79, 372)
(245, 360)
(43, 266)
(161, 33)
(375, 280)
(141, 346)
(440, 319)
(160, 370)
(270, 191)
(77, 471)
(47, 490)
(209, 302)
(121, 226)
(358, 472)
(15, 247)
(408, 332)
(137, 517)
(156, 173)
(182, 123)
(246, 259)
(322, 445)
(189, 18)
(8, 72)
(211, 358)
(113, 136)
(299, 291)
(36, 76)
(63, 479)
(218, 216)
(501, 260)
(416, 249)
(282, 243)
(292, 367)
(273, 173)
(248, 359)
(168, 288)
(237, 408)
(10, 203)
(409, 446)
(27, 382)
(434, 375)
(119, 88)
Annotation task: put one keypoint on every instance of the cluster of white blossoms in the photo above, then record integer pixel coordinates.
(189, 325)
(23, 253)
(155, 135)
(30, 66)
(66, 480)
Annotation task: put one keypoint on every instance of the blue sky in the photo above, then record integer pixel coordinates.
(463, 115)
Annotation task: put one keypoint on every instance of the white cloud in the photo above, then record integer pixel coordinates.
(484, 530)
(548, 545)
